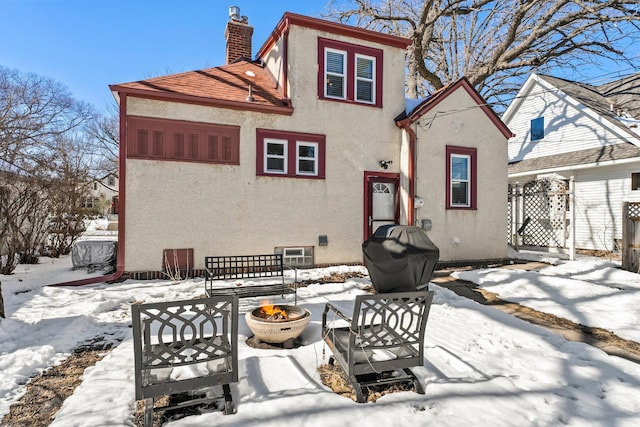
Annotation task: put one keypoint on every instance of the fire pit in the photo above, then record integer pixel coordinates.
(277, 324)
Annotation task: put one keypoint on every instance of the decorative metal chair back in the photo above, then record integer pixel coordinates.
(385, 334)
(393, 324)
(182, 346)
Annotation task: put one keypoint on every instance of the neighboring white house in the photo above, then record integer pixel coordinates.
(103, 195)
(567, 131)
(297, 151)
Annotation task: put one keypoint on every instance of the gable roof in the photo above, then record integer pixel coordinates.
(226, 86)
(331, 27)
(609, 100)
(625, 94)
(607, 154)
(606, 101)
(438, 96)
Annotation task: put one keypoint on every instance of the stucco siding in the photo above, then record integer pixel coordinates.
(273, 60)
(229, 210)
(462, 234)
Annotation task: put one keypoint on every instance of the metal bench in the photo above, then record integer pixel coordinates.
(246, 267)
(185, 346)
(385, 334)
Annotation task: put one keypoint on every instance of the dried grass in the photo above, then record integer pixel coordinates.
(334, 377)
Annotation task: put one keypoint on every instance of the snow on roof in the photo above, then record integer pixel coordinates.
(410, 104)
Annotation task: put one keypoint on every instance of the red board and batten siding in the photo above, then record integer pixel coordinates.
(160, 139)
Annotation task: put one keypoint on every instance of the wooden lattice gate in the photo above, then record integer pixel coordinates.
(631, 236)
(538, 213)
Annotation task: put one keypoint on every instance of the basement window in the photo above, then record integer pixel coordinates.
(298, 256)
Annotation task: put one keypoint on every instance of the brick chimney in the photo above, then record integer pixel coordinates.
(238, 34)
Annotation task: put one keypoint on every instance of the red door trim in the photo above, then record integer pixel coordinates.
(383, 177)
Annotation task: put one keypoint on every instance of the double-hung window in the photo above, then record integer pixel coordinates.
(306, 158)
(336, 68)
(275, 157)
(460, 171)
(365, 78)
(461, 192)
(290, 154)
(349, 73)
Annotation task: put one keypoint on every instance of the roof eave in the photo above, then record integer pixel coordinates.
(431, 102)
(200, 100)
(575, 167)
(331, 27)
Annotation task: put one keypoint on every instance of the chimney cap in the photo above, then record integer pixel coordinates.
(234, 13)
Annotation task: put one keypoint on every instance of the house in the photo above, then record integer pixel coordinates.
(571, 134)
(103, 195)
(459, 153)
(297, 151)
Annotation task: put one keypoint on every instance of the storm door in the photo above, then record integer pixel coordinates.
(382, 202)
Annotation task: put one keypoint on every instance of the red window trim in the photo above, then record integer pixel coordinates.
(473, 155)
(184, 141)
(352, 50)
(292, 138)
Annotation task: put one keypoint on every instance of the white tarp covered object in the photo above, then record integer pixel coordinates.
(94, 254)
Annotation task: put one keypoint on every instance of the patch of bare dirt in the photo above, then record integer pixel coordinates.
(46, 391)
(609, 255)
(600, 338)
(334, 377)
(332, 278)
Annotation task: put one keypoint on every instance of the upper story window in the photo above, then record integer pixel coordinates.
(349, 72)
(365, 78)
(537, 128)
(291, 154)
(461, 178)
(336, 68)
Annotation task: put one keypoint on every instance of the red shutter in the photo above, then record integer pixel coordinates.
(226, 146)
(158, 143)
(178, 145)
(193, 146)
(213, 148)
(142, 143)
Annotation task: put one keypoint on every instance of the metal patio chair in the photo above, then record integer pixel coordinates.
(384, 335)
(185, 347)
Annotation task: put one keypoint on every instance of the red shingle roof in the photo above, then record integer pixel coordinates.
(227, 85)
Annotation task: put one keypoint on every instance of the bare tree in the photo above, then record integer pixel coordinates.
(105, 132)
(33, 110)
(71, 179)
(495, 43)
(38, 119)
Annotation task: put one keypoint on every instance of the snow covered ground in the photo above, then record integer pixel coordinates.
(483, 367)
